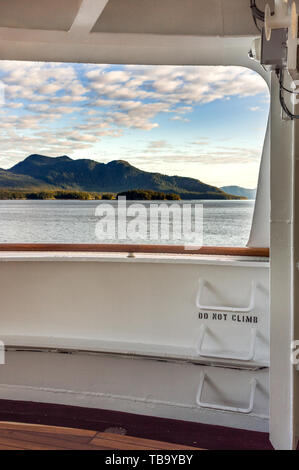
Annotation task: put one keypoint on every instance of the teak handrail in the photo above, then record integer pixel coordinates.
(116, 248)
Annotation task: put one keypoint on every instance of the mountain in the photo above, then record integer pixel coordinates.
(39, 172)
(239, 191)
(9, 180)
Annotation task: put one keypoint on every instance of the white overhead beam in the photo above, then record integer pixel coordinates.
(87, 16)
(20, 36)
(125, 49)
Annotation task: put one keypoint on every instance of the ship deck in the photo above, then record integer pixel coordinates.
(24, 436)
(37, 426)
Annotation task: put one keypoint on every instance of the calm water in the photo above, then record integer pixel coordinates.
(226, 223)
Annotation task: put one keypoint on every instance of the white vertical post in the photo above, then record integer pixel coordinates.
(296, 279)
(260, 227)
(282, 275)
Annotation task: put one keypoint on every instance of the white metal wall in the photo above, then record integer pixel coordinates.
(139, 325)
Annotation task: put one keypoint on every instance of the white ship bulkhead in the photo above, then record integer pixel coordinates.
(138, 341)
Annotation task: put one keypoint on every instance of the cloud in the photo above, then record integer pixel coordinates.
(229, 155)
(14, 105)
(169, 160)
(203, 141)
(62, 108)
(184, 109)
(158, 144)
(177, 89)
(167, 86)
(109, 77)
(49, 89)
(179, 118)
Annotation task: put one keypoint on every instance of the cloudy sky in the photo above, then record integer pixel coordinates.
(204, 122)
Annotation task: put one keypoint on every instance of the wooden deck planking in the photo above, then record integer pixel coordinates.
(129, 440)
(40, 428)
(22, 436)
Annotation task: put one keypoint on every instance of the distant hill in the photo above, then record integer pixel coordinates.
(40, 172)
(9, 180)
(239, 191)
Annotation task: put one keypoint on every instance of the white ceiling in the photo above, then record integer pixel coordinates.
(172, 17)
(186, 17)
(128, 31)
(38, 14)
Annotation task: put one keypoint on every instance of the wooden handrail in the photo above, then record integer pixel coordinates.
(114, 248)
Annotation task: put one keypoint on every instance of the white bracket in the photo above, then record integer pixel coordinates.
(234, 409)
(249, 308)
(241, 357)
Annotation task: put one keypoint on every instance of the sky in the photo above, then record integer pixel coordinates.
(204, 122)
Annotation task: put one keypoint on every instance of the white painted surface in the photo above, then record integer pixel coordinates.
(146, 308)
(87, 15)
(124, 313)
(195, 17)
(296, 282)
(213, 260)
(260, 229)
(140, 386)
(185, 17)
(281, 276)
